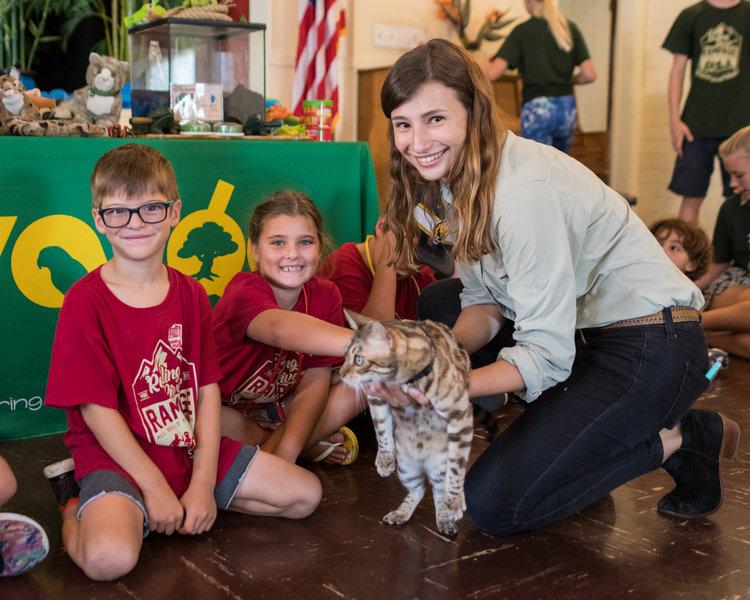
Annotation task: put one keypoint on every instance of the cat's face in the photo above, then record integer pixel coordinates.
(369, 357)
(9, 86)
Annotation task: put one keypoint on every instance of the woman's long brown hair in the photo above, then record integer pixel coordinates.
(472, 178)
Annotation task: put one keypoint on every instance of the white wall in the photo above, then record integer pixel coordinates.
(594, 19)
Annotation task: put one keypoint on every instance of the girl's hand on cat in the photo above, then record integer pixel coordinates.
(395, 395)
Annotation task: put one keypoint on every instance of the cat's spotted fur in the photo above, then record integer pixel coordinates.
(431, 440)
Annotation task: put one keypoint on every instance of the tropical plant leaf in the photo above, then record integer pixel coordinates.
(493, 37)
(503, 23)
(465, 12)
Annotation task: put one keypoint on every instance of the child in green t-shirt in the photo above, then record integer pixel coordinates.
(710, 35)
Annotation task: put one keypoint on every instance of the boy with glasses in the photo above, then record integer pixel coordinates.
(135, 367)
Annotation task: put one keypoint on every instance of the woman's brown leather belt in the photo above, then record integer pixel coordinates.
(680, 314)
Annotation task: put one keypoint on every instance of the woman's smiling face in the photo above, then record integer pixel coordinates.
(429, 130)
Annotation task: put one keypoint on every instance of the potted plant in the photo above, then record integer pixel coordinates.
(458, 12)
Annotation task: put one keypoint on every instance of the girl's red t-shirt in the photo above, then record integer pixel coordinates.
(255, 373)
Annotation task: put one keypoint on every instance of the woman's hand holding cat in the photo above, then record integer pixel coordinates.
(395, 395)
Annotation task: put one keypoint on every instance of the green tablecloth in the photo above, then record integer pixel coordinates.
(47, 239)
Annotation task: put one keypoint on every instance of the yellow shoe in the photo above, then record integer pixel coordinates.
(351, 444)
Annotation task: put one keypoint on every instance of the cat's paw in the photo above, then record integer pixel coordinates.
(385, 463)
(447, 527)
(455, 504)
(396, 517)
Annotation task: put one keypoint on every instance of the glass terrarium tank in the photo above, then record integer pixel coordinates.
(204, 70)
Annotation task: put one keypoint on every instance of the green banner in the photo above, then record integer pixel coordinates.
(47, 238)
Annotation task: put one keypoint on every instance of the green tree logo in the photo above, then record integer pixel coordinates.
(206, 243)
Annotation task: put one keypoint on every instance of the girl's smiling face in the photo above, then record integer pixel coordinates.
(429, 130)
(287, 252)
(738, 167)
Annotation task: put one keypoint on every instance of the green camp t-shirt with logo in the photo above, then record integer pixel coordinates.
(717, 42)
(731, 243)
(546, 69)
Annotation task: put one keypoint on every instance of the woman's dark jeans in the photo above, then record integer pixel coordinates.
(595, 431)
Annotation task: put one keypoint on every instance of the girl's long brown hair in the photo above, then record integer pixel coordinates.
(472, 178)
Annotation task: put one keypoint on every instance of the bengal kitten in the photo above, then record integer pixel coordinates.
(432, 439)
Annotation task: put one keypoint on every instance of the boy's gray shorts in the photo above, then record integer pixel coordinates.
(98, 483)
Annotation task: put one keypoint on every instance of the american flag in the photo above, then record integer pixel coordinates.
(316, 74)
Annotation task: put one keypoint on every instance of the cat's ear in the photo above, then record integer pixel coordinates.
(14, 74)
(94, 59)
(378, 332)
(355, 320)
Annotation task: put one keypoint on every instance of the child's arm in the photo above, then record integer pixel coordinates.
(714, 270)
(291, 330)
(112, 432)
(680, 131)
(381, 303)
(310, 399)
(198, 499)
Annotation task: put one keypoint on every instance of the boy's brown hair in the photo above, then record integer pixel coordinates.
(132, 170)
(693, 239)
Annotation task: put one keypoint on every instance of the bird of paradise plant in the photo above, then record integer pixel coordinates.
(458, 13)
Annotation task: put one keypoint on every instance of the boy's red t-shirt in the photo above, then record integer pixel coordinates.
(256, 373)
(352, 276)
(146, 363)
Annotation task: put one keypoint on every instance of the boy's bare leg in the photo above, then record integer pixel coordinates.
(734, 318)
(734, 343)
(107, 540)
(690, 208)
(274, 487)
(238, 427)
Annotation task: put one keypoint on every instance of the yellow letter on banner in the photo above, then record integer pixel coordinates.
(6, 226)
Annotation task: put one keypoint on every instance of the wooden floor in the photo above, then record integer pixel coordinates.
(617, 548)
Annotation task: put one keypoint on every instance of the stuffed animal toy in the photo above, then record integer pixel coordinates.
(98, 102)
(19, 116)
(13, 102)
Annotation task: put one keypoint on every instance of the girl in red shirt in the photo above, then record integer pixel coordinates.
(279, 332)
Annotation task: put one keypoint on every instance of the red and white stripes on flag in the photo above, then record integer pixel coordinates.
(316, 71)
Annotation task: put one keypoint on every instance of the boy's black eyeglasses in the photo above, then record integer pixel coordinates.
(152, 212)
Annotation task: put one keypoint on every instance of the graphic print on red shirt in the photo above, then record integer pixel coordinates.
(256, 374)
(164, 394)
